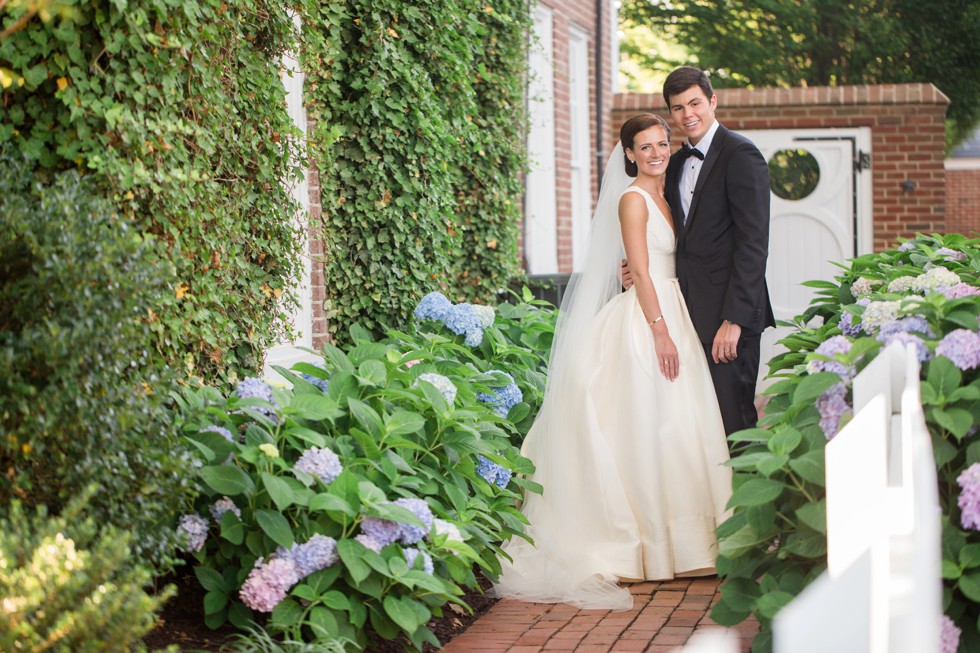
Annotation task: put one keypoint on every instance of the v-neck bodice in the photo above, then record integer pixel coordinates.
(661, 241)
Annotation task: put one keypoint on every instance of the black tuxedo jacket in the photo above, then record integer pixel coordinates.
(723, 246)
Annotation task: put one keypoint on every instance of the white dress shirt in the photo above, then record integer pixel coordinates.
(692, 168)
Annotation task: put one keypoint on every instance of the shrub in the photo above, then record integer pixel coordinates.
(358, 500)
(69, 587)
(927, 292)
(81, 388)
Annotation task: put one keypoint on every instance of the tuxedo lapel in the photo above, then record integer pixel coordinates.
(714, 152)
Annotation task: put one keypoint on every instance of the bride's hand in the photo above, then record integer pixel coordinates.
(666, 355)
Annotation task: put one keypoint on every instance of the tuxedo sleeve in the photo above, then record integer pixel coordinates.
(748, 196)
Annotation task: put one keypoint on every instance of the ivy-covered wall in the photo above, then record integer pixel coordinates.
(419, 150)
(176, 110)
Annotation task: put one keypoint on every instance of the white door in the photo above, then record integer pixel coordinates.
(580, 159)
(820, 215)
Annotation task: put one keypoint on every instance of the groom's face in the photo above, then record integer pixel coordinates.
(693, 112)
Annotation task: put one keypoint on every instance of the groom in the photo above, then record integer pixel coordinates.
(717, 186)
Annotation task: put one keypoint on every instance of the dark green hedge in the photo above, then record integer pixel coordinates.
(419, 150)
(175, 109)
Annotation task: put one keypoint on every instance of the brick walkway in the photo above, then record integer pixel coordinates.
(663, 617)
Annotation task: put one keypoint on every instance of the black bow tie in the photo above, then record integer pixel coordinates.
(687, 150)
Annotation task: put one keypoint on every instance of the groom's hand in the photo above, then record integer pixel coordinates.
(626, 275)
(724, 349)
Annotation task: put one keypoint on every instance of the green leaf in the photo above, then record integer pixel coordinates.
(963, 319)
(814, 515)
(332, 503)
(740, 594)
(772, 465)
(943, 376)
(772, 602)
(400, 612)
(227, 479)
(215, 602)
(336, 600)
(314, 407)
(810, 467)
(785, 440)
(723, 614)
(211, 580)
(367, 444)
(350, 553)
(367, 417)
(970, 556)
(739, 542)
(232, 528)
(969, 584)
(287, 612)
(279, 490)
(755, 492)
(812, 386)
(806, 544)
(955, 420)
(275, 526)
(404, 422)
(372, 372)
(951, 570)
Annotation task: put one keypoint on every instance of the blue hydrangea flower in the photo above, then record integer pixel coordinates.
(911, 323)
(901, 284)
(381, 531)
(473, 337)
(220, 430)
(442, 384)
(491, 472)
(223, 505)
(832, 347)
(323, 384)
(322, 463)
(192, 532)
(462, 318)
(961, 346)
(832, 406)
(847, 325)
(485, 314)
(502, 398)
(904, 338)
(410, 534)
(369, 542)
(411, 554)
(252, 388)
(433, 306)
(318, 552)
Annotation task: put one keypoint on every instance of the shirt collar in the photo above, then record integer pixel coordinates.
(705, 141)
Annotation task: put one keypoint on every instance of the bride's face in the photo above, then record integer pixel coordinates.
(651, 151)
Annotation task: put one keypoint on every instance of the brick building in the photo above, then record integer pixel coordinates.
(963, 187)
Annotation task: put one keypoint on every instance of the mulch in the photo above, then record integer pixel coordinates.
(182, 620)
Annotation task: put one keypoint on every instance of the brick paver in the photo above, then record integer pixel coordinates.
(663, 617)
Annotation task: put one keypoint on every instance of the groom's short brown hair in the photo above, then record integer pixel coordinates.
(684, 78)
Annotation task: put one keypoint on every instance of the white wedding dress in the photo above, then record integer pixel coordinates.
(631, 463)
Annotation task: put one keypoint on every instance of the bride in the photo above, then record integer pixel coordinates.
(629, 443)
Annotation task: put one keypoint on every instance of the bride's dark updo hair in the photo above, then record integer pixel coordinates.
(632, 127)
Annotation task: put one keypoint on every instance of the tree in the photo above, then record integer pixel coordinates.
(827, 43)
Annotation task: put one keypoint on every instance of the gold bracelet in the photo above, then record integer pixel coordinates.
(656, 320)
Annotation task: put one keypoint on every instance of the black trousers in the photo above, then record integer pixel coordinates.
(735, 384)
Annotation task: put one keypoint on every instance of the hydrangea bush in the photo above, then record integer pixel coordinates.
(355, 502)
(925, 293)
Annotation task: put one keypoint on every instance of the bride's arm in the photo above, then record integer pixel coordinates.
(633, 220)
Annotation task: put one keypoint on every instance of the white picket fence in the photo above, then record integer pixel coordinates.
(882, 591)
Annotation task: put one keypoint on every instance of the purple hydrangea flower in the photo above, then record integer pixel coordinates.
(907, 246)
(862, 287)
(462, 318)
(381, 531)
(220, 430)
(318, 552)
(252, 388)
(192, 531)
(959, 290)
(904, 338)
(949, 636)
(410, 533)
(491, 472)
(950, 254)
(847, 325)
(411, 554)
(831, 347)
(878, 313)
(502, 398)
(322, 463)
(369, 542)
(268, 583)
(961, 346)
(832, 406)
(915, 323)
(223, 505)
(442, 384)
(901, 284)
(433, 306)
(969, 501)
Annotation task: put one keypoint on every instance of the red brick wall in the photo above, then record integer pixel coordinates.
(318, 284)
(963, 197)
(581, 14)
(907, 127)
